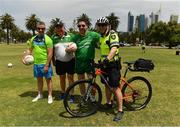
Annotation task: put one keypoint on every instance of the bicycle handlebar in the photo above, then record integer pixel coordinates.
(128, 63)
(101, 64)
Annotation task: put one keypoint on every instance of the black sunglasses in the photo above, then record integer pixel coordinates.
(41, 28)
(81, 26)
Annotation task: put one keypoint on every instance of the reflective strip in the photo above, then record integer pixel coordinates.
(114, 43)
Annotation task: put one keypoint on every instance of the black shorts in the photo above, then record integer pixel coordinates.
(65, 67)
(112, 74)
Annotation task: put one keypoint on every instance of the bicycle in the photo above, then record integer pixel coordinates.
(137, 92)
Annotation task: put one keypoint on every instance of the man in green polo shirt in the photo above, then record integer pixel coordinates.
(64, 61)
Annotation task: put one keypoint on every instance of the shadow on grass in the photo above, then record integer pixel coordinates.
(111, 111)
(56, 94)
(65, 115)
(102, 108)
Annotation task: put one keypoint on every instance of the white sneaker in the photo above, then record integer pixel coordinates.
(50, 99)
(39, 96)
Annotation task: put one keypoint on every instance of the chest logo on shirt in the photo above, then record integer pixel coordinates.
(113, 37)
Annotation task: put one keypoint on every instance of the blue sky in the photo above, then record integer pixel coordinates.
(68, 10)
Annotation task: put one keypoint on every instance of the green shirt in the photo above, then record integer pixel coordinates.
(57, 39)
(60, 44)
(39, 44)
(86, 45)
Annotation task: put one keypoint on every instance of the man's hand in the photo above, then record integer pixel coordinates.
(46, 68)
(106, 61)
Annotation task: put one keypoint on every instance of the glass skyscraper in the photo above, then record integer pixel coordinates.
(130, 22)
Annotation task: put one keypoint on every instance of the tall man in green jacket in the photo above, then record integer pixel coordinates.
(86, 41)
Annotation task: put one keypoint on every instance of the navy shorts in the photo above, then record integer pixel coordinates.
(112, 74)
(65, 67)
(39, 71)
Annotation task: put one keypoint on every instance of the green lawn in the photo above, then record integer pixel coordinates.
(18, 87)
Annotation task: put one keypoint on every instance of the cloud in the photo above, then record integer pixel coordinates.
(68, 10)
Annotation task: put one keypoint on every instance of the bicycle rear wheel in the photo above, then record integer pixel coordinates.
(85, 103)
(136, 93)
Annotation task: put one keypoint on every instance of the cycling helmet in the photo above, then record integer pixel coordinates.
(102, 20)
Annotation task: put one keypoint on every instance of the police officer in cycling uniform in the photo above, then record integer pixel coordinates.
(109, 48)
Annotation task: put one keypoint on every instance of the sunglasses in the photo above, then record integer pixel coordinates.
(41, 28)
(81, 26)
(102, 25)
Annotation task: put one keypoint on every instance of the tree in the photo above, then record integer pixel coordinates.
(14, 33)
(173, 32)
(157, 33)
(73, 29)
(2, 35)
(114, 21)
(31, 23)
(52, 26)
(85, 18)
(7, 22)
(23, 36)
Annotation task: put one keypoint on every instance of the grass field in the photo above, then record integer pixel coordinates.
(18, 87)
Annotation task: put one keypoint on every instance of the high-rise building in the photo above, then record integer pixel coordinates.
(174, 18)
(153, 18)
(142, 23)
(130, 22)
(136, 23)
(146, 23)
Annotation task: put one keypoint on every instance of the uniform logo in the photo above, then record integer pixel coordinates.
(113, 37)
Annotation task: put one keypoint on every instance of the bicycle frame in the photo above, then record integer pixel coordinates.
(133, 98)
(99, 72)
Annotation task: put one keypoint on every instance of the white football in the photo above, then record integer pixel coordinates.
(9, 65)
(61, 54)
(72, 47)
(28, 60)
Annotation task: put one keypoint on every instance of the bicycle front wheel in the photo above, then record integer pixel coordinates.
(87, 98)
(137, 93)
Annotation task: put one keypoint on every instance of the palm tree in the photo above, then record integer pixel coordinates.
(31, 23)
(85, 18)
(52, 26)
(7, 22)
(114, 21)
(2, 35)
(14, 33)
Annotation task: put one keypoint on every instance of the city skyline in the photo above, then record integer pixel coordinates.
(68, 10)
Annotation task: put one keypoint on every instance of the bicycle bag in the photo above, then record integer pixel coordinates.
(143, 65)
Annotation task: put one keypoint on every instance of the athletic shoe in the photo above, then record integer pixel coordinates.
(108, 106)
(72, 99)
(118, 116)
(62, 96)
(39, 96)
(50, 99)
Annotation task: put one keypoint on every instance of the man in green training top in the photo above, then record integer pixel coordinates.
(42, 47)
(85, 53)
(64, 61)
